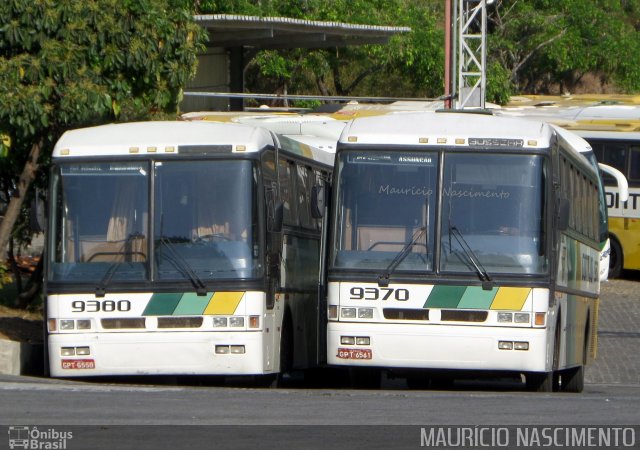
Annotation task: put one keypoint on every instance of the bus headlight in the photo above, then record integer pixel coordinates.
(365, 313)
(521, 346)
(521, 317)
(348, 313)
(505, 317)
(347, 340)
(67, 324)
(236, 322)
(219, 322)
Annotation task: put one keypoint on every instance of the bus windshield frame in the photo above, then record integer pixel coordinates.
(387, 203)
(202, 214)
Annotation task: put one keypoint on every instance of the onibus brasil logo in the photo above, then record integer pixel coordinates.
(33, 438)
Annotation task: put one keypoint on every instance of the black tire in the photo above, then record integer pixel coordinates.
(539, 381)
(573, 379)
(286, 352)
(46, 371)
(547, 381)
(616, 258)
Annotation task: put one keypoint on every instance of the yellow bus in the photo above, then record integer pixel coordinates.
(611, 126)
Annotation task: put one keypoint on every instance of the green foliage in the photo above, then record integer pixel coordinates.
(534, 46)
(411, 64)
(68, 64)
(550, 46)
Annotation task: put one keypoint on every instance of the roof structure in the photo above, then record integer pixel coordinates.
(226, 30)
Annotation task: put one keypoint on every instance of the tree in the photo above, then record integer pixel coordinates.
(77, 63)
(410, 64)
(534, 46)
(550, 46)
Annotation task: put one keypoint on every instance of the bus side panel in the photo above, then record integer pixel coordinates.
(625, 230)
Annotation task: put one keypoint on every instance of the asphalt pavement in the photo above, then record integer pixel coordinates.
(618, 357)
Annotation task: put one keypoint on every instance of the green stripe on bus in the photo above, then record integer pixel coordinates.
(477, 298)
(192, 304)
(445, 297)
(162, 304)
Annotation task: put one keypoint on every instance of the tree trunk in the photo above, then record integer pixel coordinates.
(15, 203)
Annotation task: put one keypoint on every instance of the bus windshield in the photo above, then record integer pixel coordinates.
(204, 219)
(496, 203)
(203, 214)
(386, 207)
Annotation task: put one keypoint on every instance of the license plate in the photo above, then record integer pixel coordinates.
(78, 364)
(354, 353)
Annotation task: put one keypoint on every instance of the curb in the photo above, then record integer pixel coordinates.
(20, 358)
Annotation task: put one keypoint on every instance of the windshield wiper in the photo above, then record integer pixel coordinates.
(383, 280)
(487, 282)
(183, 267)
(101, 289)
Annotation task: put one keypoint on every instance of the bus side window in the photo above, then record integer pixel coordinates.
(303, 196)
(634, 165)
(287, 192)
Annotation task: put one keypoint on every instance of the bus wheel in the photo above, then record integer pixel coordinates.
(615, 259)
(365, 378)
(539, 381)
(286, 352)
(573, 379)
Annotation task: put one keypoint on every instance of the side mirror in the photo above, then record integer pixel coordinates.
(318, 202)
(564, 211)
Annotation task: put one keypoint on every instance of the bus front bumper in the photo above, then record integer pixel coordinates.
(158, 353)
(438, 347)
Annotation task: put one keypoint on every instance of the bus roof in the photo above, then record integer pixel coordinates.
(161, 137)
(445, 128)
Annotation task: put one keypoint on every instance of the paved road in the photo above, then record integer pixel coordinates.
(618, 359)
(106, 415)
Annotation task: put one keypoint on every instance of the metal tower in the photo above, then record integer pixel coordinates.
(471, 26)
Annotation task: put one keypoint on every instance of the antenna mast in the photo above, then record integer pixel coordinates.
(471, 26)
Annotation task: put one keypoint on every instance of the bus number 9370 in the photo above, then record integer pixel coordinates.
(374, 293)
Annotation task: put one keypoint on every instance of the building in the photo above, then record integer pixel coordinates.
(234, 40)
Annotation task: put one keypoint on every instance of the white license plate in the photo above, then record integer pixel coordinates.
(355, 353)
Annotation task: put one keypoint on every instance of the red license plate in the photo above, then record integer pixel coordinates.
(354, 353)
(78, 364)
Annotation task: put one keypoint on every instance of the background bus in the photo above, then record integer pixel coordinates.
(613, 131)
(463, 243)
(182, 248)
(622, 151)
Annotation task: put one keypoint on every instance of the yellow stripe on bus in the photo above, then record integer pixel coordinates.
(224, 303)
(511, 298)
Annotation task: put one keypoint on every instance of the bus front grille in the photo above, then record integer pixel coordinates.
(123, 323)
